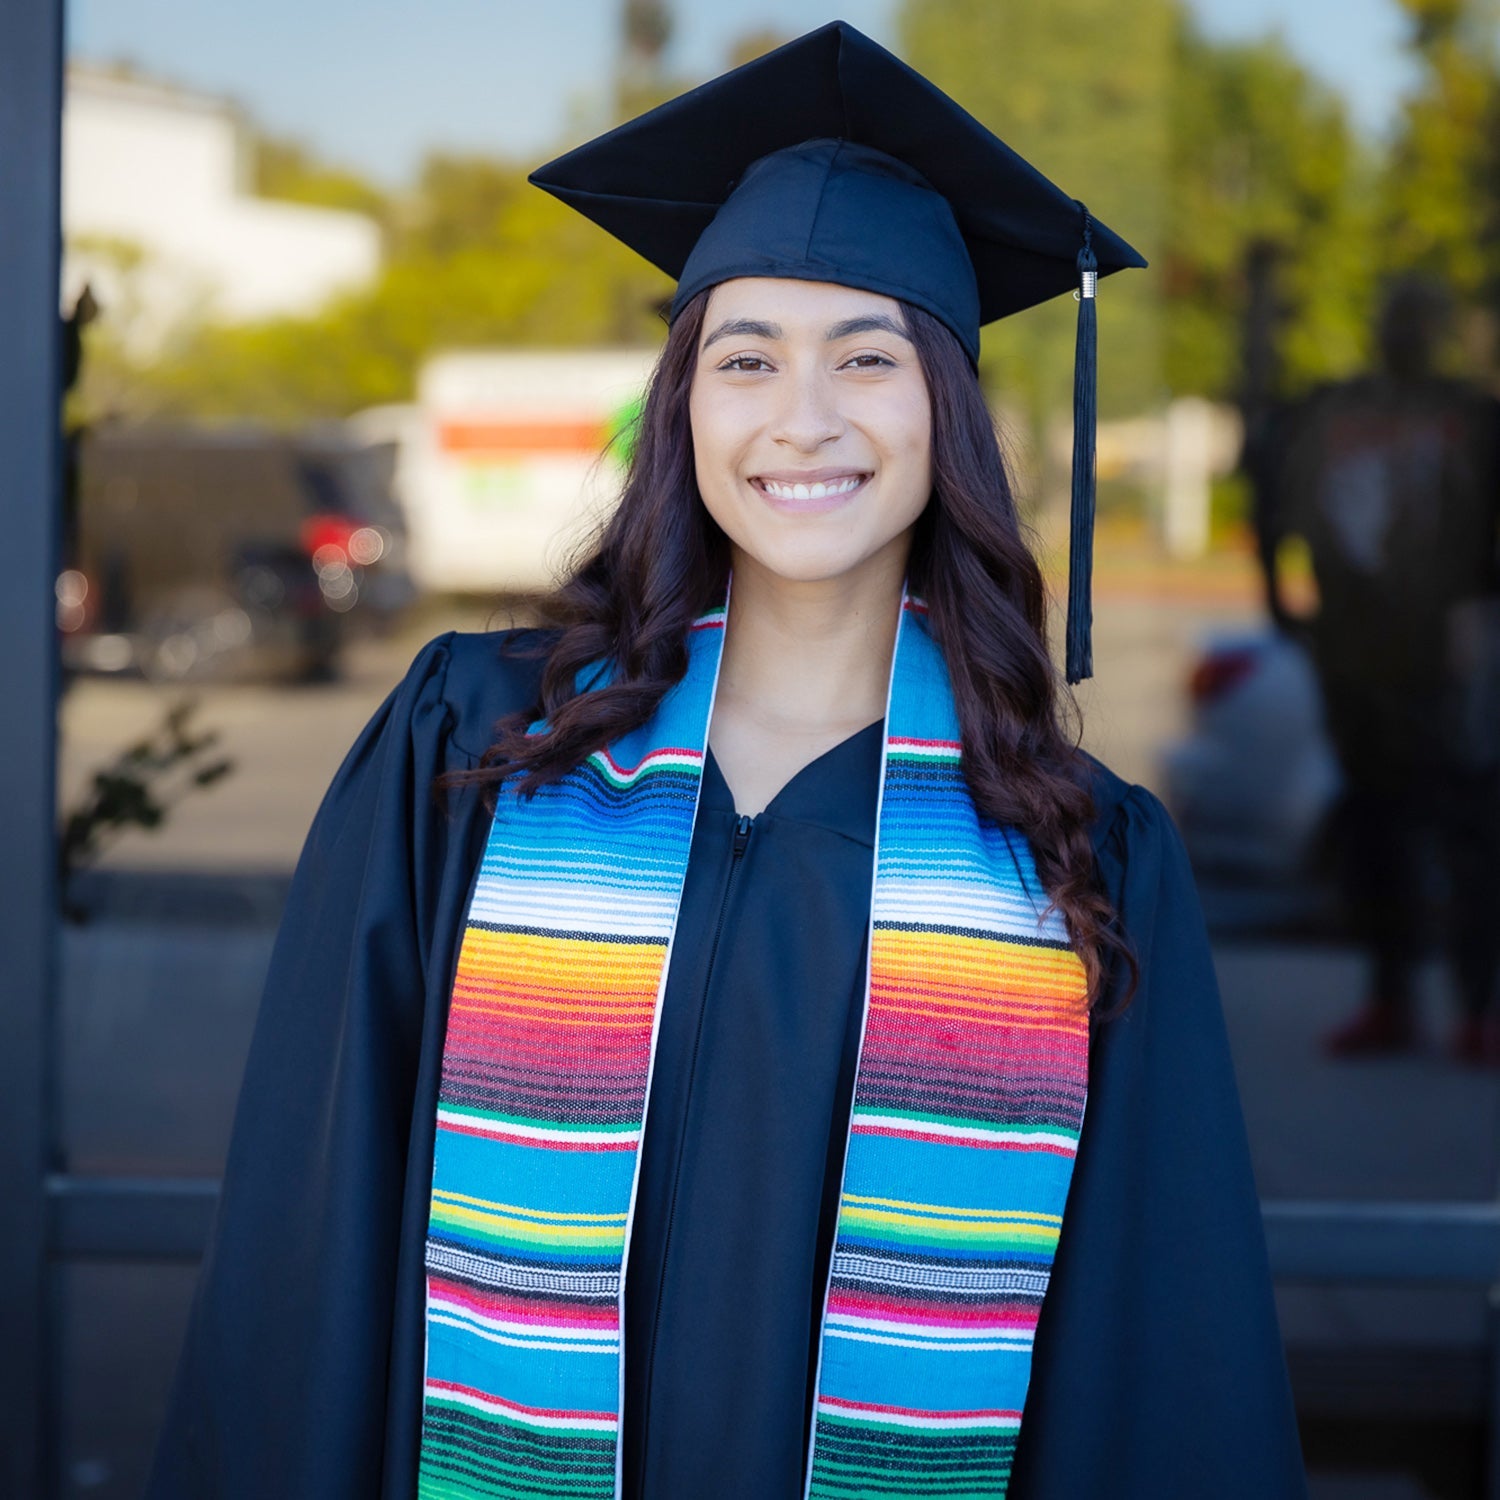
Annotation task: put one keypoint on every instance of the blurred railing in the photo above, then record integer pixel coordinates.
(1431, 1244)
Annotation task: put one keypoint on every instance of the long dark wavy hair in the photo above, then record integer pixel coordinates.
(660, 560)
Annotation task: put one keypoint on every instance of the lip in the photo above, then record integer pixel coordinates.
(811, 505)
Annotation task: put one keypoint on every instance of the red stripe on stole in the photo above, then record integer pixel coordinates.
(604, 1049)
(1014, 1003)
(1014, 1315)
(546, 1312)
(953, 1044)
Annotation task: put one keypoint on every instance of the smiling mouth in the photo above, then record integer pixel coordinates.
(818, 489)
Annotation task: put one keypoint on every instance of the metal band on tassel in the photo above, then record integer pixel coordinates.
(1080, 655)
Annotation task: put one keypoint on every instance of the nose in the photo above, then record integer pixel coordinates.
(807, 414)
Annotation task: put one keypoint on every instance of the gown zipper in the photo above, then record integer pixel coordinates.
(743, 827)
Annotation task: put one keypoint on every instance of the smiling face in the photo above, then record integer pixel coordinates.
(812, 428)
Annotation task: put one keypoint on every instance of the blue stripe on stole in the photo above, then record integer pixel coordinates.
(563, 1182)
(546, 1378)
(921, 700)
(646, 848)
(891, 1166)
(927, 1379)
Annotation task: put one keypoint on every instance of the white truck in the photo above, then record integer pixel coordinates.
(507, 460)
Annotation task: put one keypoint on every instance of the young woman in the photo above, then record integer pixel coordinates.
(692, 1102)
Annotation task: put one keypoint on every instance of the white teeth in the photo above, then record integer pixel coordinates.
(815, 491)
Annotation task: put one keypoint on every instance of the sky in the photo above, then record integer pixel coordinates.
(374, 84)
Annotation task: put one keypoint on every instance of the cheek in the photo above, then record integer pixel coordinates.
(717, 441)
(905, 429)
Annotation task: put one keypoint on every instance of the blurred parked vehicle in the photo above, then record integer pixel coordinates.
(228, 553)
(506, 458)
(1255, 786)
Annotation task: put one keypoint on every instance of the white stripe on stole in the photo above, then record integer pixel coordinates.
(459, 1314)
(478, 1124)
(997, 913)
(956, 1335)
(890, 1418)
(1002, 1137)
(493, 1406)
(976, 1346)
(463, 1325)
(606, 914)
(896, 1416)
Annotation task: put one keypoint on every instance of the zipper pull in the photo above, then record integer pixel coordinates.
(742, 833)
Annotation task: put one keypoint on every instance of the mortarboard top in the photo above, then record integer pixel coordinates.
(830, 159)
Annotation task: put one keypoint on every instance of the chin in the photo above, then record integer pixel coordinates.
(813, 564)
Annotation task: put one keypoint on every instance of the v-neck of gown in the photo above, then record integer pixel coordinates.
(742, 1155)
(815, 793)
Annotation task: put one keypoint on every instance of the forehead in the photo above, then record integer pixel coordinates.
(795, 305)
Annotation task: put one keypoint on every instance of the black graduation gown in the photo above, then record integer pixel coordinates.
(1158, 1371)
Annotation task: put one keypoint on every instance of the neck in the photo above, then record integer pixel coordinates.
(812, 656)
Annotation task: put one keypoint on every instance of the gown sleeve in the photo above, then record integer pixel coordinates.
(281, 1387)
(1158, 1371)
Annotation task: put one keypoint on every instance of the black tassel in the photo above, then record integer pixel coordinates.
(1080, 650)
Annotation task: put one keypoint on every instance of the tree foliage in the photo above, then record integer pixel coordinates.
(289, 170)
(1263, 161)
(1440, 204)
(1078, 88)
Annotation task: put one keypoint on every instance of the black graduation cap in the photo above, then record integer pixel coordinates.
(830, 159)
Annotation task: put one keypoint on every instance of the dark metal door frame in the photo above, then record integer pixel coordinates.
(31, 36)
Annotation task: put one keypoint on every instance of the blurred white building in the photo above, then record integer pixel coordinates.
(158, 216)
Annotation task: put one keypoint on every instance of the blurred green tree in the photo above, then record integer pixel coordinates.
(289, 170)
(1263, 166)
(1078, 87)
(1440, 198)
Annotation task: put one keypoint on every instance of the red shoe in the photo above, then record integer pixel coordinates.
(1376, 1029)
(1476, 1041)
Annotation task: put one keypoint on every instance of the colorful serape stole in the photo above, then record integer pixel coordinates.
(967, 1108)
(541, 1105)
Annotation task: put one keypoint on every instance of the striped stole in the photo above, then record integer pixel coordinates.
(967, 1105)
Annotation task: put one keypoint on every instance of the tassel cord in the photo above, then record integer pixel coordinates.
(1079, 654)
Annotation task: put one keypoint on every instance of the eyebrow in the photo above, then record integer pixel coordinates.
(871, 323)
(746, 327)
(754, 328)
